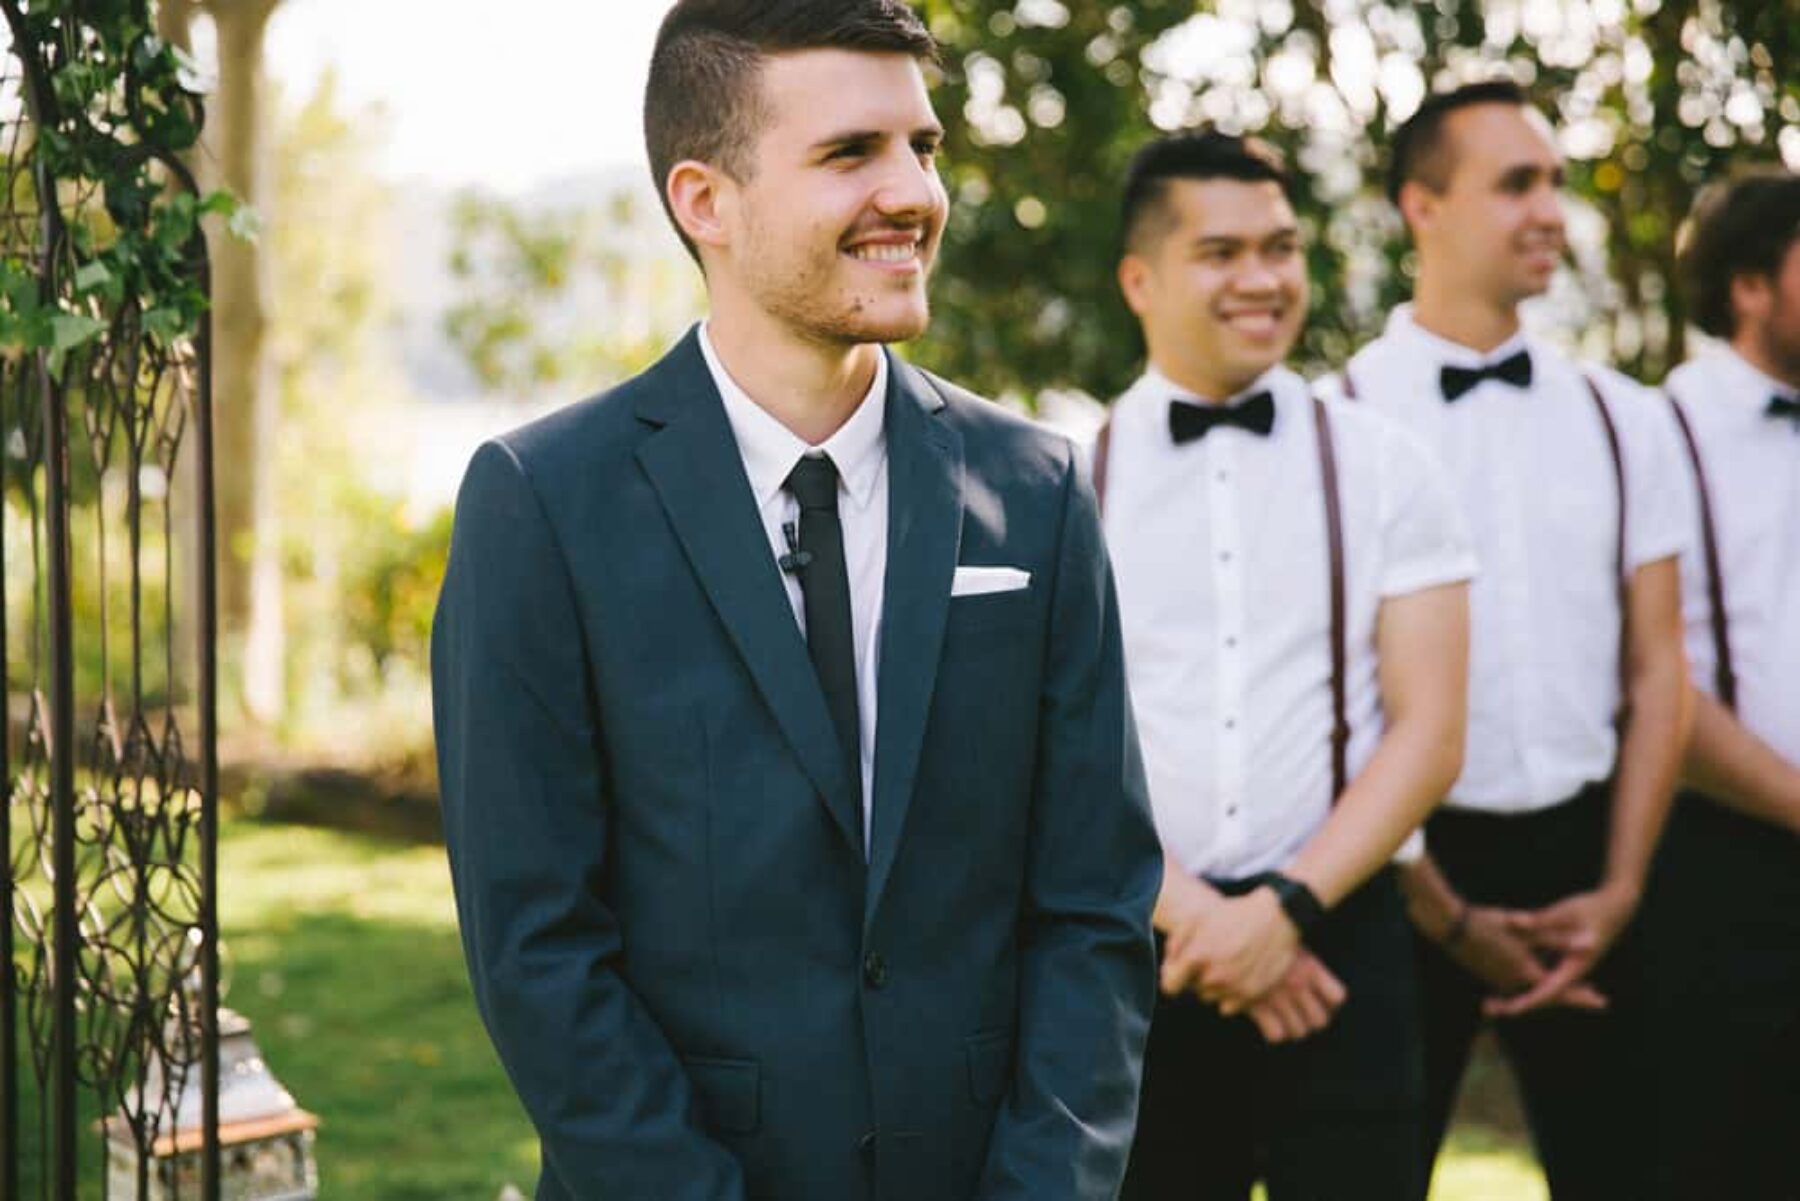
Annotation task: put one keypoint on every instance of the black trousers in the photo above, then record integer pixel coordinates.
(1333, 1117)
(1578, 1071)
(1722, 927)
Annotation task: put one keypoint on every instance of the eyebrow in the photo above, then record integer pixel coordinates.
(859, 137)
(1209, 241)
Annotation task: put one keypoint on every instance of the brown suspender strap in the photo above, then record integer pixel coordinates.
(1349, 384)
(1102, 452)
(1724, 676)
(1334, 538)
(1623, 573)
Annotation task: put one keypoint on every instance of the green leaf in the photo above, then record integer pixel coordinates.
(92, 275)
(165, 324)
(223, 202)
(174, 221)
(69, 330)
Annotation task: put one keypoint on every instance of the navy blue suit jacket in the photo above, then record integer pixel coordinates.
(700, 989)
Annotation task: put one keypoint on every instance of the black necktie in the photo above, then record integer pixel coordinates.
(1190, 421)
(1785, 406)
(1514, 370)
(825, 588)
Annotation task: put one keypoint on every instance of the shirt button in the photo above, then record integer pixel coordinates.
(1231, 643)
(875, 970)
(1231, 723)
(1224, 556)
(1231, 811)
(1223, 476)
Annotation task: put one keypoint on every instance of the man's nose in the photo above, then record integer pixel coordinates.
(1547, 206)
(910, 188)
(1256, 277)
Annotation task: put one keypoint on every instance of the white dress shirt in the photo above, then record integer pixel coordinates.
(1223, 572)
(1535, 478)
(1752, 463)
(859, 450)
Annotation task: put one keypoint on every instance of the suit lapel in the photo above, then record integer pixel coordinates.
(925, 467)
(695, 466)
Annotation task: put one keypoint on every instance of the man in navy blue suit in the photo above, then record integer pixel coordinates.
(794, 807)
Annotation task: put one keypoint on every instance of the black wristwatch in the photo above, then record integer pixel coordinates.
(1297, 901)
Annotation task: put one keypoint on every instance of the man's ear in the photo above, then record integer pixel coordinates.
(1418, 206)
(1134, 282)
(702, 198)
(1751, 294)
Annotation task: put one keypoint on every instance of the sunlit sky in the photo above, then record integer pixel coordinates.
(549, 89)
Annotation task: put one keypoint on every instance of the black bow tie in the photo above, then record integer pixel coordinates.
(1515, 370)
(1785, 406)
(1190, 421)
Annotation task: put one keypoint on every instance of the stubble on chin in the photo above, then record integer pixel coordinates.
(854, 318)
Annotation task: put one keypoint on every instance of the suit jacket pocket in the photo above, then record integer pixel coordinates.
(990, 1066)
(991, 610)
(727, 1090)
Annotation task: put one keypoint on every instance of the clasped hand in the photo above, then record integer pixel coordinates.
(1244, 955)
(1542, 957)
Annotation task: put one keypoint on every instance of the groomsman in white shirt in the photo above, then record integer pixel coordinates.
(1292, 583)
(1723, 915)
(1538, 859)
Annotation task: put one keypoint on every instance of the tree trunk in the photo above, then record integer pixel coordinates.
(244, 392)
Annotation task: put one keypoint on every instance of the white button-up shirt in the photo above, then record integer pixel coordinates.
(1222, 564)
(1535, 479)
(859, 449)
(1752, 463)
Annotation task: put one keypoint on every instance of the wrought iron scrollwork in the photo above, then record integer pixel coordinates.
(108, 934)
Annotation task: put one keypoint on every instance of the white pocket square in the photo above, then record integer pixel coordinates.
(978, 581)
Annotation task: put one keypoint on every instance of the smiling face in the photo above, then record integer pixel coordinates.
(1220, 286)
(1495, 228)
(833, 230)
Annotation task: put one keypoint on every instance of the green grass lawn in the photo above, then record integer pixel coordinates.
(342, 949)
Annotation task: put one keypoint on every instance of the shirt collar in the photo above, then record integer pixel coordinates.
(1743, 381)
(1444, 352)
(1155, 384)
(1153, 391)
(770, 449)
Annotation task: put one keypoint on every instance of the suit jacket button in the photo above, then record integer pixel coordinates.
(875, 970)
(865, 1146)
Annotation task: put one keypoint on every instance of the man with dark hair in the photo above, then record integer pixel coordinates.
(1538, 858)
(794, 809)
(1422, 152)
(1723, 916)
(1292, 589)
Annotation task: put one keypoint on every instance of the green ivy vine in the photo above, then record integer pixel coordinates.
(102, 221)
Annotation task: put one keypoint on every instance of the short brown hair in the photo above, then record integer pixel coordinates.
(1742, 227)
(702, 101)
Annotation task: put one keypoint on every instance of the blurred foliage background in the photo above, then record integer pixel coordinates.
(1653, 99)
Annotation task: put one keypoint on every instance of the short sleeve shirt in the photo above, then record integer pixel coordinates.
(1221, 556)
